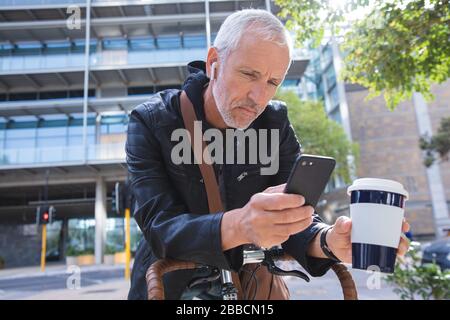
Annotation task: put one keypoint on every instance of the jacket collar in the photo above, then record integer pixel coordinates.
(194, 85)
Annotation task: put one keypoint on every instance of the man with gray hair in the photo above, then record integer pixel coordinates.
(232, 90)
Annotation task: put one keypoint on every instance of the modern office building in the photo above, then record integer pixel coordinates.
(70, 71)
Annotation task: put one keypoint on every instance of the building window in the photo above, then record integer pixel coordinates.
(336, 115)
(44, 95)
(194, 41)
(115, 44)
(114, 124)
(53, 95)
(51, 137)
(141, 90)
(23, 96)
(169, 42)
(142, 44)
(330, 75)
(334, 98)
(327, 56)
(57, 47)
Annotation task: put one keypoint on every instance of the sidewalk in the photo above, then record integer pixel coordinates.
(111, 290)
(50, 270)
(58, 282)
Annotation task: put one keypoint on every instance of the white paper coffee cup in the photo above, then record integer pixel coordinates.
(377, 211)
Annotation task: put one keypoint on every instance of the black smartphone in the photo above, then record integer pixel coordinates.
(309, 177)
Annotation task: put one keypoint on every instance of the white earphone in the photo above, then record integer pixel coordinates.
(213, 71)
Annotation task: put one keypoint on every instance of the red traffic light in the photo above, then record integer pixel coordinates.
(45, 215)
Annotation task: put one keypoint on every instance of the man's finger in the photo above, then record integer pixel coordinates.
(403, 247)
(292, 228)
(292, 215)
(405, 226)
(277, 201)
(343, 225)
(276, 189)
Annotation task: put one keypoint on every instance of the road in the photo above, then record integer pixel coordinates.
(369, 286)
(25, 286)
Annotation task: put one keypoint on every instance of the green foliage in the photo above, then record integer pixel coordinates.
(399, 47)
(111, 249)
(312, 17)
(2, 262)
(412, 279)
(437, 145)
(318, 134)
(74, 251)
(88, 251)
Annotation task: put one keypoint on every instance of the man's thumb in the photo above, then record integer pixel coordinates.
(343, 224)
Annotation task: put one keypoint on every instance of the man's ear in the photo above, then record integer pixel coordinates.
(211, 60)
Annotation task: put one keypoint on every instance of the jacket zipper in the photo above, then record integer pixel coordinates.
(242, 176)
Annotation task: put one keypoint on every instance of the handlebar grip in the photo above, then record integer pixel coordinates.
(154, 275)
(346, 280)
(345, 277)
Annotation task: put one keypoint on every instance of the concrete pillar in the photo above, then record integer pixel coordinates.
(100, 219)
(207, 25)
(86, 78)
(435, 186)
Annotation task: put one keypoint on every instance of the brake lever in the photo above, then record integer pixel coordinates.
(214, 275)
(270, 264)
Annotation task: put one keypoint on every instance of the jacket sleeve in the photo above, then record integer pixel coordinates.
(170, 230)
(297, 244)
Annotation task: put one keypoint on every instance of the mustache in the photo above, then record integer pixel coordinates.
(248, 103)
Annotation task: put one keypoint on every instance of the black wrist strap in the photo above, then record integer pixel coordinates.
(324, 246)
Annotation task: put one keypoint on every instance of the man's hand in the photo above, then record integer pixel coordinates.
(268, 219)
(339, 242)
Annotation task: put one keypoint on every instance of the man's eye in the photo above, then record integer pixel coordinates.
(250, 75)
(274, 84)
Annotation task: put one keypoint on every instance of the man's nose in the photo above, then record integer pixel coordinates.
(258, 94)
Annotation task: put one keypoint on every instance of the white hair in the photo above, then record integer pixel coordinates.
(258, 21)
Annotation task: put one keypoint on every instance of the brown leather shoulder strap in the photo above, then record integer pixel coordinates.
(206, 169)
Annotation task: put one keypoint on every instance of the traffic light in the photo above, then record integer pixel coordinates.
(44, 214)
(121, 197)
(117, 199)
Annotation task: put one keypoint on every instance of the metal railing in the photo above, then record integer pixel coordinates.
(106, 58)
(61, 155)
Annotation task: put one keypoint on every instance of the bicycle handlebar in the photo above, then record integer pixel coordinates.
(155, 273)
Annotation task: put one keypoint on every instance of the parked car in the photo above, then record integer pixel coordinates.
(438, 251)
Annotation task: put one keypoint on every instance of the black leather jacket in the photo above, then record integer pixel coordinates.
(170, 200)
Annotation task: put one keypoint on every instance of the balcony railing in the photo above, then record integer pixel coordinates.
(105, 58)
(62, 155)
(41, 2)
(82, 2)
